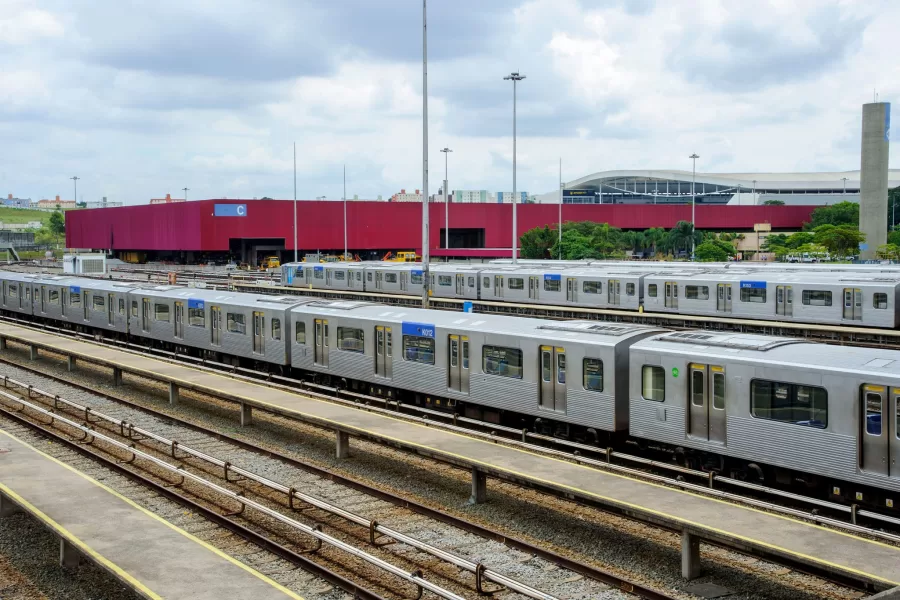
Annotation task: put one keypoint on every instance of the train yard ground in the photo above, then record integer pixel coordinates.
(526, 496)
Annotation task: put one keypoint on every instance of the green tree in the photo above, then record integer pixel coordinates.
(796, 240)
(841, 240)
(575, 246)
(773, 203)
(888, 251)
(711, 252)
(894, 236)
(655, 237)
(842, 213)
(775, 241)
(57, 223)
(682, 235)
(536, 243)
(635, 241)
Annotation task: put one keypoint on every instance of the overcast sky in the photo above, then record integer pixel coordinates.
(143, 98)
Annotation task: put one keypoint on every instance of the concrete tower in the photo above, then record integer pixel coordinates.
(873, 184)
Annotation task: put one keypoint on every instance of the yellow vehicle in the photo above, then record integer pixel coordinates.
(269, 262)
(401, 257)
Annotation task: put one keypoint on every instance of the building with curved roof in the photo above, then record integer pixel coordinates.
(674, 187)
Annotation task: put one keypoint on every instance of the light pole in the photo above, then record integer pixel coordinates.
(75, 180)
(560, 207)
(425, 230)
(515, 77)
(186, 190)
(446, 152)
(694, 158)
(295, 201)
(844, 179)
(345, 212)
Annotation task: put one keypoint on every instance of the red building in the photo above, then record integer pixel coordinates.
(243, 227)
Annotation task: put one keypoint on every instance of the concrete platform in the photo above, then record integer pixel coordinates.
(698, 518)
(146, 553)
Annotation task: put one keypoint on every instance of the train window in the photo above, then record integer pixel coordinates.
(471, 282)
(14, 291)
(719, 391)
(561, 368)
(789, 403)
(300, 332)
(486, 283)
(753, 295)
(74, 297)
(298, 274)
(53, 297)
(507, 362)
(369, 276)
(445, 280)
(350, 339)
(197, 317)
(359, 276)
(816, 298)
(416, 278)
(697, 388)
(873, 413)
(651, 290)
(516, 283)
(552, 285)
(696, 292)
(629, 289)
(591, 287)
(99, 302)
(879, 300)
(546, 365)
(592, 371)
(161, 312)
(390, 277)
(121, 306)
(236, 323)
(276, 329)
(134, 310)
(318, 274)
(653, 383)
(340, 275)
(418, 349)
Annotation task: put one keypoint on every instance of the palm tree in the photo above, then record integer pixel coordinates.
(635, 240)
(682, 235)
(655, 237)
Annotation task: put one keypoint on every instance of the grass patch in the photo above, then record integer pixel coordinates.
(22, 215)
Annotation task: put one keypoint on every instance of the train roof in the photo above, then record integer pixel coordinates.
(550, 331)
(702, 345)
(223, 296)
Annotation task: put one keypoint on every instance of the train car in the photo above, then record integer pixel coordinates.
(15, 295)
(561, 377)
(813, 412)
(233, 324)
(87, 303)
(50, 293)
(827, 298)
(456, 281)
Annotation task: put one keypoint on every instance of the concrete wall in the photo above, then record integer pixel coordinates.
(874, 176)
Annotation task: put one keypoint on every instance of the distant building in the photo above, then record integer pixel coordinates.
(167, 200)
(51, 204)
(104, 203)
(16, 202)
(404, 197)
(507, 197)
(472, 197)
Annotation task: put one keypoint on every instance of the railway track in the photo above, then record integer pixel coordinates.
(134, 445)
(850, 519)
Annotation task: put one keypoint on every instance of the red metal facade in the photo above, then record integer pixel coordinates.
(193, 226)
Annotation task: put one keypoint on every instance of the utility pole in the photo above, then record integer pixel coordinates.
(426, 277)
(515, 77)
(694, 158)
(345, 212)
(559, 256)
(446, 152)
(75, 180)
(295, 202)
(185, 190)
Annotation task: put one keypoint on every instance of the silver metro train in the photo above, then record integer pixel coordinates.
(766, 408)
(856, 295)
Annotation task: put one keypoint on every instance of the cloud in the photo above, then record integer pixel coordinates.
(22, 23)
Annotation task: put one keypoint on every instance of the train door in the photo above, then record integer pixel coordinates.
(571, 289)
(309, 275)
(86, 304)
(853, 304)
(384, 361)
(723, 297)
(43, 293)
(329, 273)
(110, 308)
(707, 403)
(404, 281)
(259, 332)
(498, 286)
(179, 319)
(784, 300)
(145, 314)
(460, 285)
(63, 299)
(534, 284)
(613, 291)
(879, 447)
(215, 329)
(553, 378)
(671, 294)
(378, 277)
(321, 348)
(459, 363)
